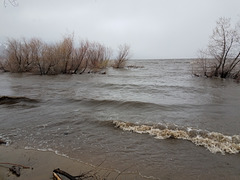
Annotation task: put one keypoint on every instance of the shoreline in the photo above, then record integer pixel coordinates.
(42, 163)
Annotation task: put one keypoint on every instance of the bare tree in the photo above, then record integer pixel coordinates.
(12, 2)
(222, 55)
(122, 57)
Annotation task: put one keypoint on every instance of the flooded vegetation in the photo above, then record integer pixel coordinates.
(148, 119)
(221, 58)
(37, 57)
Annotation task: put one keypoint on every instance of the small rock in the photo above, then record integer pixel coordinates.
(2, 142)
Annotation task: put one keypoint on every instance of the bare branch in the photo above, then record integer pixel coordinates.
(12, 2)
(122, 57)
(223, 50)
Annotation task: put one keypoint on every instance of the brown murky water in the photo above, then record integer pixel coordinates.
(157, 120)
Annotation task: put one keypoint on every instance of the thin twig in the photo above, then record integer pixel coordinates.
(12, 164)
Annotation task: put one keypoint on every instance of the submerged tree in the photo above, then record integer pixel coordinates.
(221, 58)
(122, 57)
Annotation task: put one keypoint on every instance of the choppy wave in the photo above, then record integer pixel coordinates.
(215, 142)
(15, 100)
(5, 140)
(126, 104)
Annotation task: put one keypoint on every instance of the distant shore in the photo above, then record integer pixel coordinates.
(40, 165)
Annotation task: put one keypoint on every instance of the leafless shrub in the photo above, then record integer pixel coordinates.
(41, 58)
(18, 56)
(36, 48)
(48, 62)
(202, 66)
(122, 56)
(2, 63)
(98, 56)
(64, 52)
(79, 59)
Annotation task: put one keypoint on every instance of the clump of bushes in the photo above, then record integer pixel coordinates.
(64, 57)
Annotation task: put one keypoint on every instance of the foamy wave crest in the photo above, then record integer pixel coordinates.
(213, 141)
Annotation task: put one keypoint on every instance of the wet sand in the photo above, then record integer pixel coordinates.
(43, 163)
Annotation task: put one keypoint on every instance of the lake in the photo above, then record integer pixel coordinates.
(157, 120)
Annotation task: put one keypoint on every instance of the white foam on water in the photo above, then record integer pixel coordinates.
(47, 150)
(215, 142)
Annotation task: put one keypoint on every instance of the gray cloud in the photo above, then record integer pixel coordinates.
(153, 28)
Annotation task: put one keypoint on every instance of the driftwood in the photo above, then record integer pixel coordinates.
(57, 173)
(12, 164)
(15, 168)
(2, 141)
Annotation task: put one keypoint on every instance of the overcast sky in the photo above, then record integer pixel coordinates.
(152, 28)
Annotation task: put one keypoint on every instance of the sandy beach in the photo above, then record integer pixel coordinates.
(41, 165)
